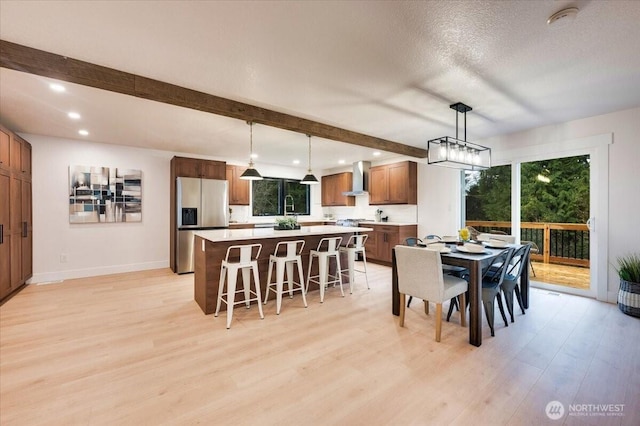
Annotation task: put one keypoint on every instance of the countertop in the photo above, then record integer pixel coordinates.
(217, 235)
(388, 223)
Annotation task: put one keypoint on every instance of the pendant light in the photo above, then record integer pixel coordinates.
(456, 153)
(251, 173)
(309, 179)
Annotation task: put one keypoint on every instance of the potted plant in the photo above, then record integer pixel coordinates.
(629, 294)
(287, 223)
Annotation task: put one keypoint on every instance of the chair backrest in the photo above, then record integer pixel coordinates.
(420, 273)
(510, 239)
(329, 245)
(243, 254)
(534, 246)
(431, 238)
(289, 248)
(496, 273)
(357, 241)
(517, 262)
(412, 241)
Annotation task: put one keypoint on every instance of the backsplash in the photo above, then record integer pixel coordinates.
(362, 210)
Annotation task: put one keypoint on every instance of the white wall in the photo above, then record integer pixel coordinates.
(624, 173)
(95, 249)
(106, 248)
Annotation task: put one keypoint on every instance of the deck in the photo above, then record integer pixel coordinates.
(564, 275)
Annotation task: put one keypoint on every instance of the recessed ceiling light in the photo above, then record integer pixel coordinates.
(565, 14)
(341, 161)
(376, 153)
(73, 115)
(296, 161)
(83, 132)
(57, 87)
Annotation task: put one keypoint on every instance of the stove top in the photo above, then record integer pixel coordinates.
(349, 222)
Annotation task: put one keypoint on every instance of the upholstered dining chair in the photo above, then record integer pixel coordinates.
(491, 285)
(420, 275)
(510, 282)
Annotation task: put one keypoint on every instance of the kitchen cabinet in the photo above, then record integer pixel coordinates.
(395, 183)
(16, 230)
(384, 238)
(5, 142)
(198, 168)
(238, 188)
(332, 187)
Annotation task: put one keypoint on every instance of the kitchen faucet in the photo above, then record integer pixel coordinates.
(288, 205)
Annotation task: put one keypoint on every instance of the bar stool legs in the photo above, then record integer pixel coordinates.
(355, 245)
(328, 247)
(288, 260)
(229, 271)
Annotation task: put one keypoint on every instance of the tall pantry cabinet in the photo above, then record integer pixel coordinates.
(16, 228)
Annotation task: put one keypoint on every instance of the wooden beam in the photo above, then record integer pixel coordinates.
(26, 59)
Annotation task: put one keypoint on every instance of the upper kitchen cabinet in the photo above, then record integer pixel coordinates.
(5, 141)
(332, 188)
(238, 188)
(395, 183)
(198, 168)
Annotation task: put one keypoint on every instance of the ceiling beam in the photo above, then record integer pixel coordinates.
(26, 59)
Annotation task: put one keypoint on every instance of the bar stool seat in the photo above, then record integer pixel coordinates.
(239, 258)
(286, 255)
(327, 249)
(355, 245)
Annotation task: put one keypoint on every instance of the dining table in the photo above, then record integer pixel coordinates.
(475, 263)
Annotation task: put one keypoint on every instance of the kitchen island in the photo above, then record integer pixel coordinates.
(210, 248)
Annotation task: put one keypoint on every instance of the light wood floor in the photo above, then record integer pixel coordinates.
(135, 349)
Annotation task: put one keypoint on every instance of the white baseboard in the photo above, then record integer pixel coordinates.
(92, 272)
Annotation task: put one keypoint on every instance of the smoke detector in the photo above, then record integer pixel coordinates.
(568, 14)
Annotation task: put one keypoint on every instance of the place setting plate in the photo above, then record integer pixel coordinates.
(495, 245)
(463, 249)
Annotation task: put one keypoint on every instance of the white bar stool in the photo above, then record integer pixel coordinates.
(287, 254)
(355, 245)
(327, 248)
(239, 258)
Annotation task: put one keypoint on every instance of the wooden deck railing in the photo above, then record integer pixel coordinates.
(561, 243)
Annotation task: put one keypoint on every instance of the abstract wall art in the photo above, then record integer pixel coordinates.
(104, 194)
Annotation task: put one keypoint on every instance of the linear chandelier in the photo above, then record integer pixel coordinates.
(456, 153)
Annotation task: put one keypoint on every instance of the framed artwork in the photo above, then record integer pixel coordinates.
(104, 194)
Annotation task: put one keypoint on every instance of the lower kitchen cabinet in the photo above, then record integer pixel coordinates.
(384, 238)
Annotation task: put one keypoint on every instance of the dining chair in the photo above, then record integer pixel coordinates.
(457, 271)
(420, 275)
(534, 250)
(492, 283)
(512, 275)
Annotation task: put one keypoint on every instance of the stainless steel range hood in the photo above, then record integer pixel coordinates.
(360, 178)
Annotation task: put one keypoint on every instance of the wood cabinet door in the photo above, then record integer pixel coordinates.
(187, 167)
(327, 183)
(15, 152)
(5, 142)
(238, 188)
(15, 230)
(378, 185)
(5, 237)
(25, 159)
(213, 169)
(398, 182)
(27, 232)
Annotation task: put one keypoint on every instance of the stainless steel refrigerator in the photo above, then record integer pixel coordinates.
(202, 204)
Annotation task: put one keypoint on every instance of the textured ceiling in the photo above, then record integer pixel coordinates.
(386, 69)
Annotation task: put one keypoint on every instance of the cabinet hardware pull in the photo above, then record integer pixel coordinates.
(1, 233)
(24, 230)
